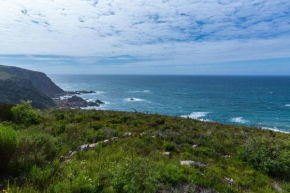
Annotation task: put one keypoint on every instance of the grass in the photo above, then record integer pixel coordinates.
(255, 159)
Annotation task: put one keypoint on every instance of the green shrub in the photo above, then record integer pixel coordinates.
(5, 112)
(267, 157)
(167, 146)
(172, 174)
(8, 144)
(136, 176)
(34, 148)
(24, 114)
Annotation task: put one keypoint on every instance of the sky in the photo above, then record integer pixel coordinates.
(218, 37)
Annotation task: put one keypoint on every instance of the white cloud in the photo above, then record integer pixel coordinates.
(174, 32)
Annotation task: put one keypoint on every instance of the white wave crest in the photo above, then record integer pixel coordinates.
(196, 115)
(238, 120)
(274, 129)
(287, 105)
(143, 91)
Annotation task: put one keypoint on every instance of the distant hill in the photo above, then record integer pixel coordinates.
(18, 84)
(41, 82)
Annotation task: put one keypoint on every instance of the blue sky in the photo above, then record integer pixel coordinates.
(243, 37)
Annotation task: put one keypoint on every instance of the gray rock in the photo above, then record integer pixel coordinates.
(128, 134)
(166, 153)
(106, 141)
(187, 162)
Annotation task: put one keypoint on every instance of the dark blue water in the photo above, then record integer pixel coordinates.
(248, 100)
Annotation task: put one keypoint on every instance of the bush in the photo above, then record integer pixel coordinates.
(8, 144)
(172, 174)
(266, 157)
(24, 114)
(5, 112)
(137, 176)
(167, 146)
(34, 148)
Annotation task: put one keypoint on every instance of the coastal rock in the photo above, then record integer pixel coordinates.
(76, 102)
(99, 102)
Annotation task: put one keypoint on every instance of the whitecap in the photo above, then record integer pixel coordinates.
(238, 120)
(143, 91)
(287, 105)
(274, 129)
(196, 115)
(100, 92)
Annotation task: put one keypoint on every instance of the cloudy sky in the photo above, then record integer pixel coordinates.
(147, 36)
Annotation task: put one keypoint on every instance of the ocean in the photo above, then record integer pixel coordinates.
(259, 101)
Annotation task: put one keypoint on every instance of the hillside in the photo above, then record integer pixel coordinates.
(38, 79)
(13, 89)
(108, 151)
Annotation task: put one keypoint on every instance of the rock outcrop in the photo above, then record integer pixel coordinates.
(78, 102)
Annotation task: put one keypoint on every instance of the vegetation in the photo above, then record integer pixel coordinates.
(34, 148)
(14, 89)
(17, 84)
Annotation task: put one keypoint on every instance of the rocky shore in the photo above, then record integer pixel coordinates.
(78, 102)
(74, 101)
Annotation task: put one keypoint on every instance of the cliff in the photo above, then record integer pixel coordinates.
(38, 79)
(13, 89)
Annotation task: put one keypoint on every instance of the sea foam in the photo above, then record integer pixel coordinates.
(238, 120)
(141, 91)
(197, 115)
(275, 129)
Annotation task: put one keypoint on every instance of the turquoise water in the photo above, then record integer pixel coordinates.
(245, 100)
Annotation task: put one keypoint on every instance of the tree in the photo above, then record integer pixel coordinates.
(24, 114)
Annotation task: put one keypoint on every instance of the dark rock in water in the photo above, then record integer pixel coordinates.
(99, 102)
(75, 102)
(131, 99)
(91, 104)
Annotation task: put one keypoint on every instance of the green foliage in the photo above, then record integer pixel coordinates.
(5, 112)
(137, 163)
(136, 176)
(8, 144)
(268, 157)
(172, 174)
(167, 146)
(24, 114)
